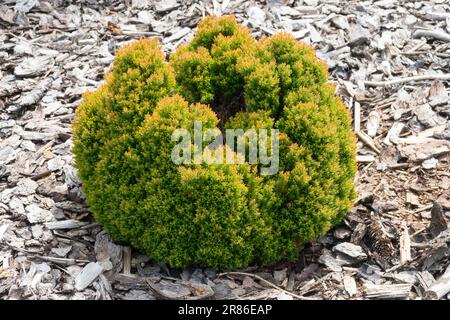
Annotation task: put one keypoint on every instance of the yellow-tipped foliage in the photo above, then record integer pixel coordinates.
(217, 215)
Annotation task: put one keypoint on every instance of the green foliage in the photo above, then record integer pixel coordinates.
(217, 215)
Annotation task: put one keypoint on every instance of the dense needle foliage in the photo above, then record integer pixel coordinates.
(217, 215)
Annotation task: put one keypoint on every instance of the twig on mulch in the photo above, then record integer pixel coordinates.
(368, 141)
(266, 282)
(432, 34)
(442, 77)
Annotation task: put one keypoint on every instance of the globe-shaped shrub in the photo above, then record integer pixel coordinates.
(217, 215)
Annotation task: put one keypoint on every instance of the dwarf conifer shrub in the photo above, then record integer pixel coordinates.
(217, 215)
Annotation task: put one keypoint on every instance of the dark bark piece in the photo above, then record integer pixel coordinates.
(434, 255)
(127, 260)
(307, 272)
(438, 223)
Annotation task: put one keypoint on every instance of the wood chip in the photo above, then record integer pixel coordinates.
(367, 140)
(387, 291)
(32, 67)
(405, 245)
(126, 260)
(420, 152)
(438, 223)
(432, 34)
(440, 287)
(89, 273)
(351, 250)
(350, 285)
(373, 122)
(65, 224)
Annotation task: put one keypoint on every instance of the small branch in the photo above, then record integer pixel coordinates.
(415, 48)
(65, 224)
(368, 141)
(437, 16)
(402, 265)
(158, 293)
(422, 245)
(432, 34)
(141, 33)
(428, 207)
(417, 232)
(266, 282)
(88, 81)
(90, 225)
(443, 77)
(41, 175)
(62, 261)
